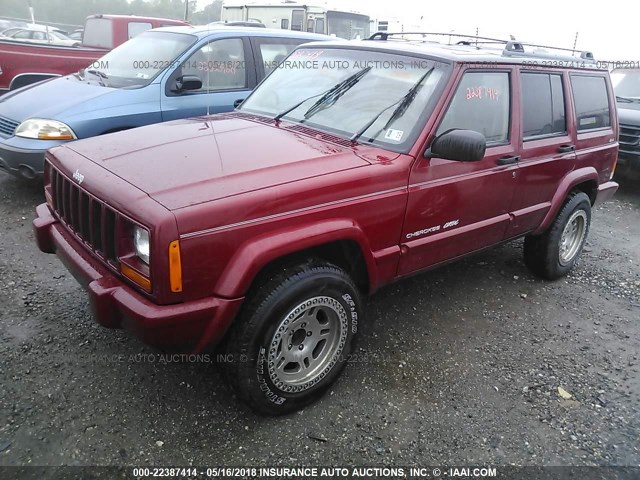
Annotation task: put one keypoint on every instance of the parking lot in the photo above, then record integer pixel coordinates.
(458, 366)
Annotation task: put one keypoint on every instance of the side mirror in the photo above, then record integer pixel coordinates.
(187, 82)
(457, 144)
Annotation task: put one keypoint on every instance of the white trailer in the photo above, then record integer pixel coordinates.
(300, 17)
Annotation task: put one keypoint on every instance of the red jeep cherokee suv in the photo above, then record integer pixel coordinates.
(353, 165)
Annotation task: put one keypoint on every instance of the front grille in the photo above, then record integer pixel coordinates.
(629, 140)
(90, 219)
(7, 126)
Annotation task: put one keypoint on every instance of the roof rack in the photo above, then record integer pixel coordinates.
(512, 47)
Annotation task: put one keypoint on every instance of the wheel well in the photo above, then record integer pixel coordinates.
(114, 130)
(345, 254)
(27, 79)
(590, 188)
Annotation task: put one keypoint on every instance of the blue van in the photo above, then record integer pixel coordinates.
(160, 75)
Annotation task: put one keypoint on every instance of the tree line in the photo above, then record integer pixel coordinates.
(74, 12)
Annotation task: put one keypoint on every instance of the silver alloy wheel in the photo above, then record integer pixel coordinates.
(307, 344)
(572, 237)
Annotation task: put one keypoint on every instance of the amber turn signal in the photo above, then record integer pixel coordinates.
(175, 267)
(135, 277)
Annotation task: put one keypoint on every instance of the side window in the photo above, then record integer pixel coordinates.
(219, 64)
(319, 25)
(481, 103)
(297, 17)
(274, 53)
(136, 28)
(23, 34)
(284, 24)
(591, 101)
(542, 105)
(39, 36)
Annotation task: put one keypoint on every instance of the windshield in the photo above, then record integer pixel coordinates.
(626, 83)
(374, 98)
(137, 62)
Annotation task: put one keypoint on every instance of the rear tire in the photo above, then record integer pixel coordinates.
(293, 336)
(554, 253)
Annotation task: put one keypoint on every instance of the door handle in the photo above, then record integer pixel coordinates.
(508, 160)
(566, 148)
(237, 103)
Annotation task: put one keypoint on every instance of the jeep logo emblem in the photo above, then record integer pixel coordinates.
(78, 177)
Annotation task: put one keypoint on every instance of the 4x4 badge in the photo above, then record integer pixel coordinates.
(78, 177)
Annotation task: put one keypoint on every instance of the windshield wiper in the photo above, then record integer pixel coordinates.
(627, 99)
(100, 75)
(402, 106)
(333, 94)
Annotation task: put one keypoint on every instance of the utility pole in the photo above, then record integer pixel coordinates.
(186, 10)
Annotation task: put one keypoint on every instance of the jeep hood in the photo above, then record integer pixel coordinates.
(191, 161)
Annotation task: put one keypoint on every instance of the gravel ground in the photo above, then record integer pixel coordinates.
(457, 366)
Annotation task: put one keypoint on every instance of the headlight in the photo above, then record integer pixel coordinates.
(44, 130)
(141, 243)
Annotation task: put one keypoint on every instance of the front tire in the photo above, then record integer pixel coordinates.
(554, 253)
(293, 336)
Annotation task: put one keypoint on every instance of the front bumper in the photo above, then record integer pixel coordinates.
(22, 162)
(115, 305)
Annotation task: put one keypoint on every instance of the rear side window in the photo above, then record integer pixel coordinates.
(136, 28)
(542, 105)
(481, 103)
(591, 101)
(98, 33)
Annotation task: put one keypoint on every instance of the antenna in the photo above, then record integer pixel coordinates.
(575, 43)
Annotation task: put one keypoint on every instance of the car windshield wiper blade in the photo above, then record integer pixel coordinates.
(100, 75)
(331, 97)
(352, 80)
(402, 106)
(628, 99)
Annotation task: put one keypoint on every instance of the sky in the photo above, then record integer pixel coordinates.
(610, 29)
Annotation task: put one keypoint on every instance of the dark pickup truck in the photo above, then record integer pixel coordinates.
(626, 84)
(23, 63)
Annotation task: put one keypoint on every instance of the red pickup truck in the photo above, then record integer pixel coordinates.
(23, 63)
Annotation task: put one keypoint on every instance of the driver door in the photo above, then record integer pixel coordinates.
(226, 70)
(456, 207)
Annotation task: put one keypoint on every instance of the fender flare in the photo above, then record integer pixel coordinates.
(257, 252)
(573, 178)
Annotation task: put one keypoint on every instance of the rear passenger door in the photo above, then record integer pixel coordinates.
(227, 71)
(456, 207)
(548, 146)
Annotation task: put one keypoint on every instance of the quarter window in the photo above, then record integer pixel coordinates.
(542, 105)
(591, 101)
(481, 103)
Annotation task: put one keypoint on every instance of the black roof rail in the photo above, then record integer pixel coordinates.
(512, 47)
